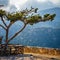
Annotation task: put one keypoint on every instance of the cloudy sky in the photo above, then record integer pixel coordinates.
(11, 5)
(15, 5)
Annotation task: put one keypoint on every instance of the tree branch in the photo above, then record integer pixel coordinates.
(3, 22)
(2, 27)
(17, 33)
(9, 25)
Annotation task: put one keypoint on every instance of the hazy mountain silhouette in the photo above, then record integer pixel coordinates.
(45, 34)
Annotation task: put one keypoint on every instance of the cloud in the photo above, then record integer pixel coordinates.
(22, 4)
(41, 4)
(4, 2)
(12, 8)
(55, 2)
(42, 1)
(12, 5)
(17, 4)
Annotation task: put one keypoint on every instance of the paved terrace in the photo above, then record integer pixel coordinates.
(32, 53)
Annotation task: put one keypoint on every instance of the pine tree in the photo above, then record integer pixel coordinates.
(27, 16)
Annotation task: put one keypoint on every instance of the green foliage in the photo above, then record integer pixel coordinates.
(2, 13)
(36, 10)
(52, 16)
(33, 19)
(26, 18)
(46, 15)
(16, 16)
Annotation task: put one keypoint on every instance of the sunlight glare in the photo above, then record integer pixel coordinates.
(41, 0)
(18, 3)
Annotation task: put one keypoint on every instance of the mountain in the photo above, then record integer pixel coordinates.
(42, 37)
(43, 34)
(56, 22)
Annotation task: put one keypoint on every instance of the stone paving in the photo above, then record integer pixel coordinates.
(26, 57)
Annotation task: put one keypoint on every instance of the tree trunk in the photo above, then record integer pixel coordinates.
(17, 33)
(7, 30)
(6, 41)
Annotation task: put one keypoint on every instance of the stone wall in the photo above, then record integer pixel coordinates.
(17, 49)
(37, 50)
